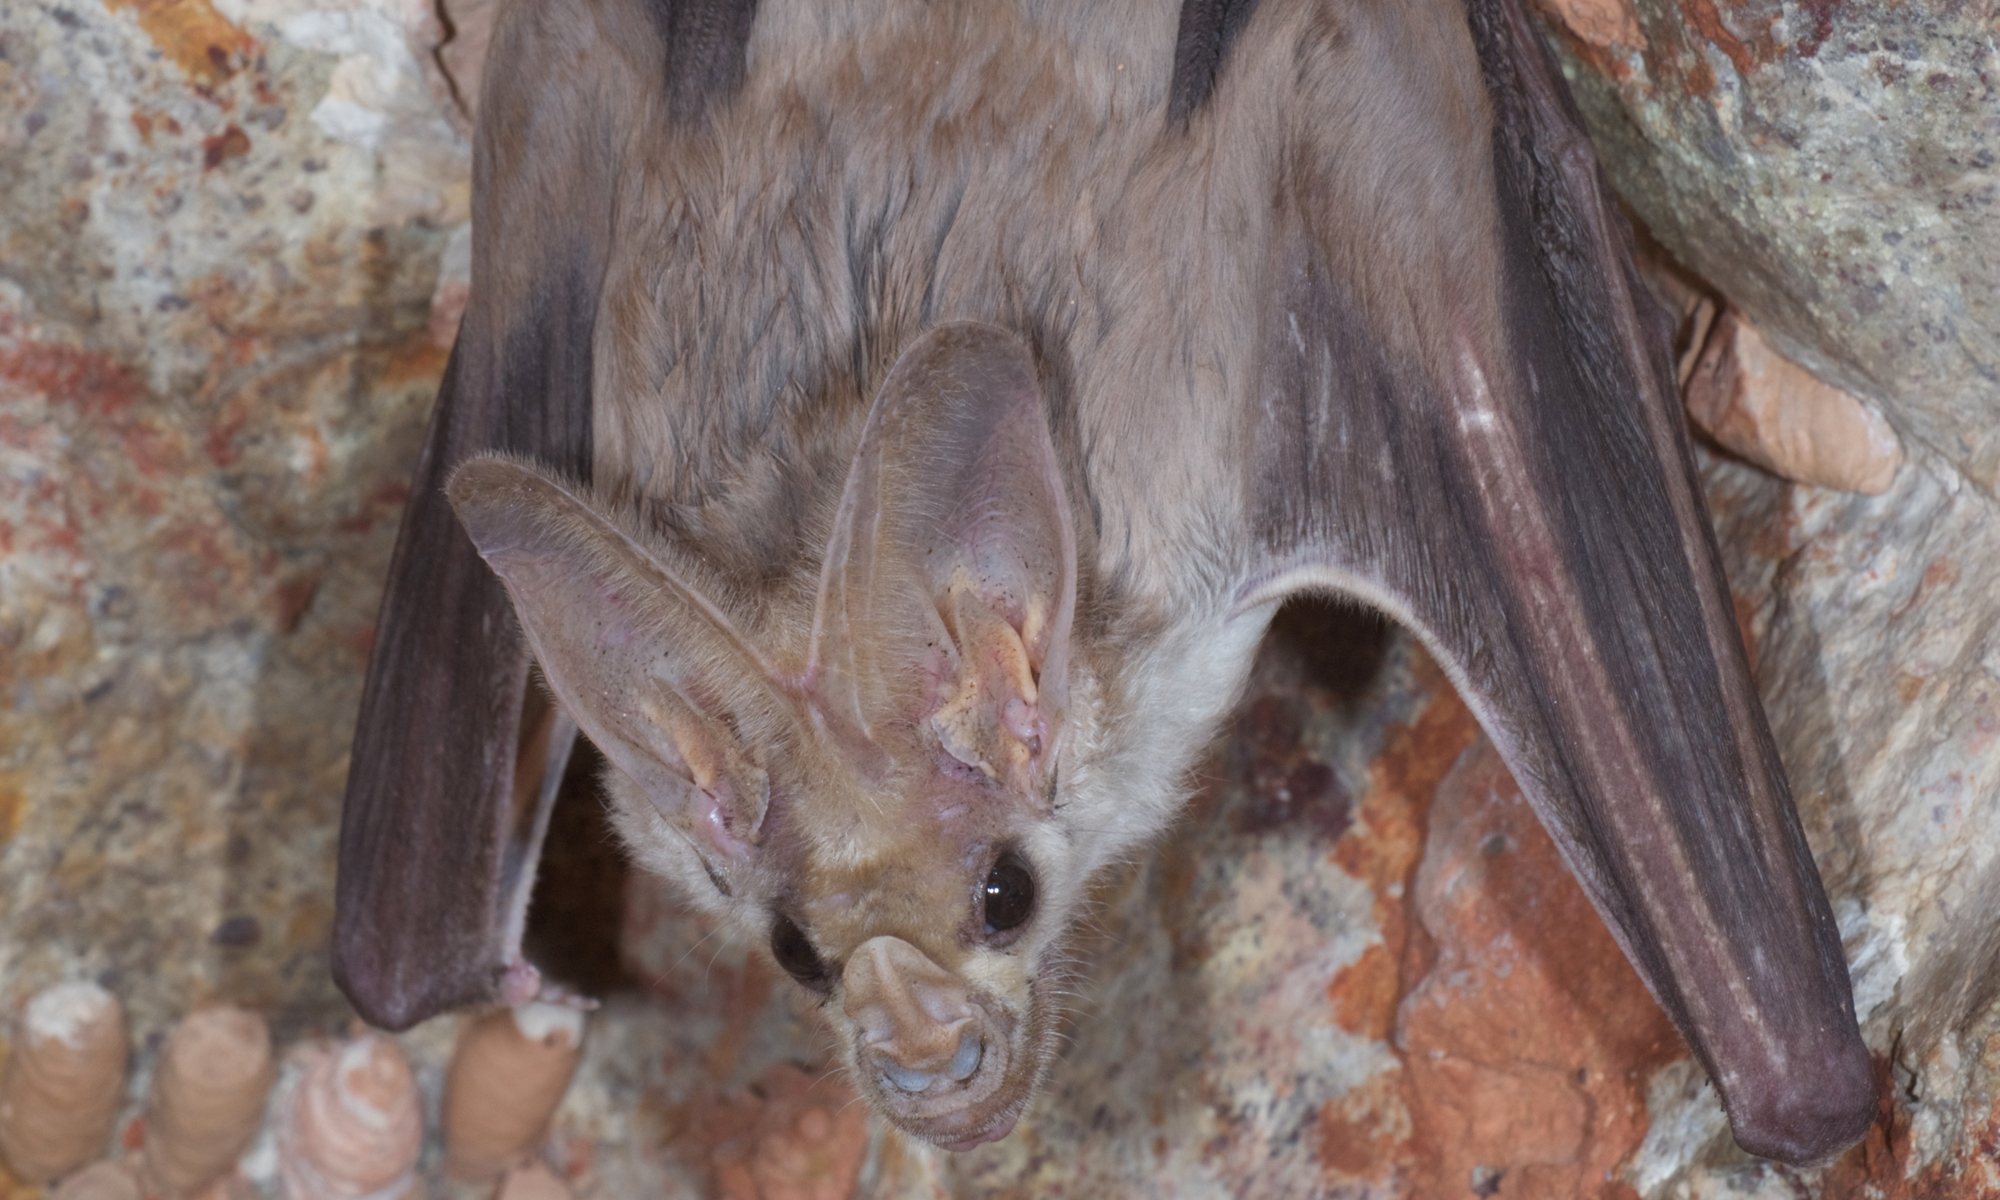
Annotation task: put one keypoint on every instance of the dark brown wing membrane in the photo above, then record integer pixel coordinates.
(1566, 575)
(433, 852)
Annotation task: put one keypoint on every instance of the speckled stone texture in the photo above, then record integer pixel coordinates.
(1831, 166)
(232, 252)
(214, 370)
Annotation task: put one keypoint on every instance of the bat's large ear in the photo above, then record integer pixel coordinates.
(950, 577)
(640, 655)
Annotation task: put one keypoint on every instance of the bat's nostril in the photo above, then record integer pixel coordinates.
(906, 1080)
(966, 1061)
(964, 1064)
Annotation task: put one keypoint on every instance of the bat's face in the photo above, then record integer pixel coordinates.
(927, 904)
(882, 791)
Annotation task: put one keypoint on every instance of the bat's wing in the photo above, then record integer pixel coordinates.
(1524, 497)
(438, 841)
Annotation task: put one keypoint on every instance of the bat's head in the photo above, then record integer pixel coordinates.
(880, 799)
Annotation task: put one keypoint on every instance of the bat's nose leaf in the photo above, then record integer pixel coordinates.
(936, 1057)
(911, 1013)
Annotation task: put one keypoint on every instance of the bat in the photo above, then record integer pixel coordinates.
(889, 427)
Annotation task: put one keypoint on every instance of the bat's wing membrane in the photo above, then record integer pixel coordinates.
(1537, 520)
(436, 851)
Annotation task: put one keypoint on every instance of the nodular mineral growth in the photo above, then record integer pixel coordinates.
(231, 254)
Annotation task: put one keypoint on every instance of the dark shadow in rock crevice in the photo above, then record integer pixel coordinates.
(577, 911)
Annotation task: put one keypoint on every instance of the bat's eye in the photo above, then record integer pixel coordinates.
(797, 956)
(1008, 894)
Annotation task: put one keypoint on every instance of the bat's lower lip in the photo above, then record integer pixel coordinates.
(991, 1133)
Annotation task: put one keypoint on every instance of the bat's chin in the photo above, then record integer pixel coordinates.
(972, 1126)
(994, 1134)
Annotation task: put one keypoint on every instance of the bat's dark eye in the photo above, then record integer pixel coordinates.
(797, 956)
(1008, 894)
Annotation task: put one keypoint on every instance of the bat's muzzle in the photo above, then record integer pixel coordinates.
(934, 1054)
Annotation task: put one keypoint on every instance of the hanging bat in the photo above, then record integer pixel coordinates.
(890, 427)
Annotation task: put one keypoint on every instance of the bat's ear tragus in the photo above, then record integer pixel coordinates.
(993, 722)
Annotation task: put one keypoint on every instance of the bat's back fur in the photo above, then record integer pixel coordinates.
(887, 166)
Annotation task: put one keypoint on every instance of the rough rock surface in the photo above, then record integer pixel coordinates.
(1832, 168)
(231, 252)
(214, 372)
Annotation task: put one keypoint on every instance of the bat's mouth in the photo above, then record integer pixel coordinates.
(993, 1134)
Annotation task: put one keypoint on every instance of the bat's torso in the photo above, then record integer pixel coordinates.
(887, 167)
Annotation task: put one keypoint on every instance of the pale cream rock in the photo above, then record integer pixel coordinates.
(380, 97)
(453, 59)
(352, 1125)
(1830, 168)
(1774, 413)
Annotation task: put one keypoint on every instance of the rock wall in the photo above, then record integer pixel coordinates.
(216, 268)
(1832, 168)
(232, 252)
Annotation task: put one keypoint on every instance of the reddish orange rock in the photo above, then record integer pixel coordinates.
(201, 41)
(1366, 1136)
(1529, 1043)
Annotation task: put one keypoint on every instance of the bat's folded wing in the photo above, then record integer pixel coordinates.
(1516, 485)
(436, 853)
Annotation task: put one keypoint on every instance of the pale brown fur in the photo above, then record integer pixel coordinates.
(887, 167)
